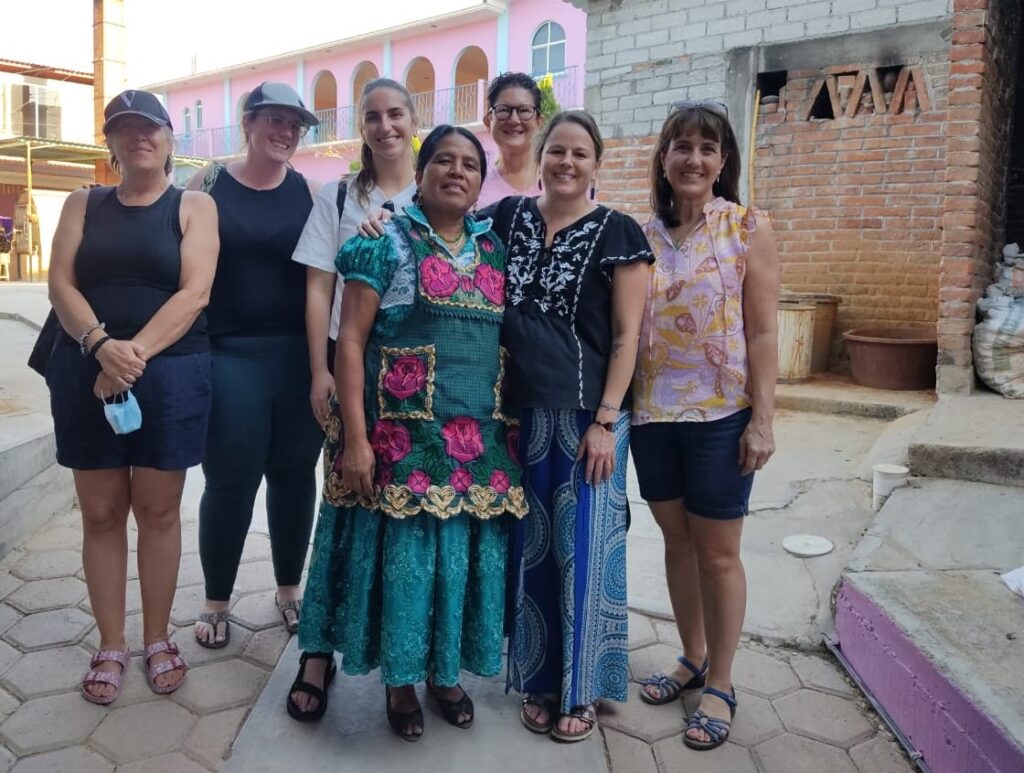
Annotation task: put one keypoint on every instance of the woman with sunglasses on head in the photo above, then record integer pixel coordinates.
(261, 425)
(703, 397)
(513, 119)
(576, 273)
(408, 572)
(130, 275)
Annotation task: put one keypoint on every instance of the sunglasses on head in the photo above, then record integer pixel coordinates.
(711, 105)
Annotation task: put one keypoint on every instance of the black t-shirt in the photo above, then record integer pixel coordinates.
(129, 265)
(259, 290)
(558, 307)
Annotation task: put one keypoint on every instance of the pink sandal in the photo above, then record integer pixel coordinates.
(153, 671)
(115, 679)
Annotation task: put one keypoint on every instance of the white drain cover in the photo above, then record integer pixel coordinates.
(807, 545)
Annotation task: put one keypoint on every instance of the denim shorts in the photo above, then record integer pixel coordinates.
(174, 395)
(696, 461)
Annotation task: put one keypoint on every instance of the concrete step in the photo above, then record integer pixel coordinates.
(926, 622)
(354, 734)
(33, 504)
(27, 447)
(977, 438)
(834, 394)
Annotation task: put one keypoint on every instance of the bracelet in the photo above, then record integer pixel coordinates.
(610, 426)
(606, 406)
(96, 346)
(88, 332)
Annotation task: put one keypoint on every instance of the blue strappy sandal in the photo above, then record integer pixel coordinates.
(670, 688)
(716, 729)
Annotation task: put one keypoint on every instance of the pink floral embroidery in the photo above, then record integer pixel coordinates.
(461, 480)
(406, 376)
(500, 481)
(390, 441)
(418, 481)
(512, 443)
(462, 439)
(491, 283)
(385, 476)
(438, 278)
(486, 245)
(467, 284)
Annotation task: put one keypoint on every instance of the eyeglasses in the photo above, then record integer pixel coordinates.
(279, 123)
(504, 112)
(711, 105)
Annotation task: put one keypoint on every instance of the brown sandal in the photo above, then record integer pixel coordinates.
(587, 714)
(542, 702)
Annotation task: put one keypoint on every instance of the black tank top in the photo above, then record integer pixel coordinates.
(129, 264)
(259, 290)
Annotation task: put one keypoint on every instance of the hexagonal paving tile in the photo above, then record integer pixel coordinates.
(50, 723)
(641, 632)
(8, 656)
(762, 674)
(189, 537)
(196, 655)
(668, 633)
(56, 538)
(219, 686)
(7, 759)
(8, 581)
(257, 547)
(40, 595)
(190, 572)
(628, 754)
(820, 674)
(647, 660)
(755, 720)
(788, 753)
(257, 611)
(188, 602)
(134, 732)
(167, 763)
(46, 564)
(77, 758)
(211, 738)
(8, 704)
(640, 720)
(266, 646)
(823, 717)
(8, 617)
(673, 755)
(880, 755)
(47, 672)
(255, 576)
(49, 629)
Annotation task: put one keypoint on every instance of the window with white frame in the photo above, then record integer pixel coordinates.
(35, 111)
(548, 49)
(186, 121)
(199, 114)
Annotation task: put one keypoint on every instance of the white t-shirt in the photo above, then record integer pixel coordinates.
(323, 234)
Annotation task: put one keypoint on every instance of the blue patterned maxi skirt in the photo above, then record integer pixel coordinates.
(568, 561)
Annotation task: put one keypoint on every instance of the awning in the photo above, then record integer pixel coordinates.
(67, 152)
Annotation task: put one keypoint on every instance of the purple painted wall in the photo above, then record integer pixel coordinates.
(953, 734)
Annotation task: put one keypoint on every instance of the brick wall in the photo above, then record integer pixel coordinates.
(856, 202)
(642, 54)
(983, 57)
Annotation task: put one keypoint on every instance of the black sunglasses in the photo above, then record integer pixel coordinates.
(711, 105)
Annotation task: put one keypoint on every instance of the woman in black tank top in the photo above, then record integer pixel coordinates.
(261, 424)
(130, 275)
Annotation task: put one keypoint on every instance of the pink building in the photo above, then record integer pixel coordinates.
(444, 61)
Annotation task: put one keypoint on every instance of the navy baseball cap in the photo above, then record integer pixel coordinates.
(271, 94)
(136, 103)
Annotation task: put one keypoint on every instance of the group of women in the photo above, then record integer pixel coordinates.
(477, 367)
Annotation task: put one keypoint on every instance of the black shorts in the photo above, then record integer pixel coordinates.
(174, 395)
(696, 461)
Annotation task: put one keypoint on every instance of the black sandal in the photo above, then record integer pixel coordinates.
(402, 722)
(452, 710)
(300, 685)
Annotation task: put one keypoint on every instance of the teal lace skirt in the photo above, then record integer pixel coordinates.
(412, 596)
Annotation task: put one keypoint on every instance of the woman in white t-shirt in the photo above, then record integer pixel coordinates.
(387, 124)
(513, 119)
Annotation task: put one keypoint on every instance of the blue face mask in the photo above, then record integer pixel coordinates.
(124, 416)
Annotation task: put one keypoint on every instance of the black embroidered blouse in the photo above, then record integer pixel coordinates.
(558, 311)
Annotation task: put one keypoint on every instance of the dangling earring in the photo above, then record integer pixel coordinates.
(593, 191)
(540, 184)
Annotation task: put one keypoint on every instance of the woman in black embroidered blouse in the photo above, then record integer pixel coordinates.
(576, 275)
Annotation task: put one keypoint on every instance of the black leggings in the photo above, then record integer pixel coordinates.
(261, 426)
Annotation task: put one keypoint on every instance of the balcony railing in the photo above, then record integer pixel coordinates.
(459, 105)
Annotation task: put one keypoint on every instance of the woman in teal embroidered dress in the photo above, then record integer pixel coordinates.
(408, 574)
